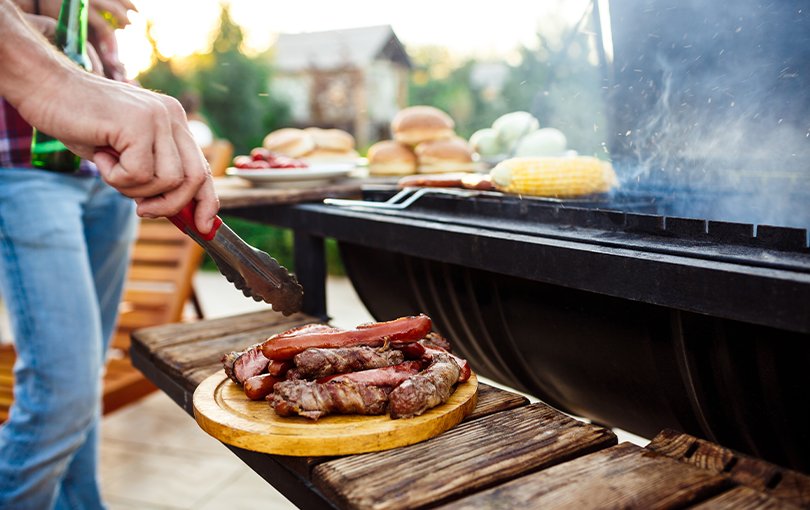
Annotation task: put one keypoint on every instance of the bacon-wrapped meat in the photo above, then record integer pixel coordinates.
(241, 366)
(436, 340)
(313, 400)
(425, 390)
(389, 376)
(404, 330)
(314, 363)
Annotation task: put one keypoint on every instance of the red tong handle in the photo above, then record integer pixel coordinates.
(184, 220)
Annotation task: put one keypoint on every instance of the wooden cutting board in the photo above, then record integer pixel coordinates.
(223, 411)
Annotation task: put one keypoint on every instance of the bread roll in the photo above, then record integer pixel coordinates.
(289, 142)
(331, 139)
(391, 158)
(417, 124)
(452, 155)
(332, 156)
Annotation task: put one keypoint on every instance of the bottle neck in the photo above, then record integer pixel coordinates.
(71, 32)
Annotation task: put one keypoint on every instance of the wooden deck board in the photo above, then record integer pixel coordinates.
(470, 457)
(622, 477)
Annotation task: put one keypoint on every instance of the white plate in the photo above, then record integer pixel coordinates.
(316, 174)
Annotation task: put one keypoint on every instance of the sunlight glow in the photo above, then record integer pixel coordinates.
(484, 31)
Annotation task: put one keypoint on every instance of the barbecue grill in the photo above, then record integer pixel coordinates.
(681, 300)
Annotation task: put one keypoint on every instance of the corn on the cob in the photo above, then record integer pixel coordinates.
(554, 177)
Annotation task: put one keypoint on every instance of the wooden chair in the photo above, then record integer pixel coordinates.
(159, 284)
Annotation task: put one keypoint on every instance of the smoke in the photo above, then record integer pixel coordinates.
(711, 109)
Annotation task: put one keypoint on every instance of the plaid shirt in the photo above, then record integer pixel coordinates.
(15, 137)
(15, 141)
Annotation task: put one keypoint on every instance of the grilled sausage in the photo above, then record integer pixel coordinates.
(258, 387)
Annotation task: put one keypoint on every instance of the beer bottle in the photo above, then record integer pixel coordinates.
(71, 37)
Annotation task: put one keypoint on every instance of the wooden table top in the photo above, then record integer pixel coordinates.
(235, 192)
(507, 454)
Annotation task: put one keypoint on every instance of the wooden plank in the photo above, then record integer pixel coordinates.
(139, 298)
(235, 193)
(159, 230)
(622, 477)
(757, 474)
(124, 384)
(152, 340)
(158, 253)
(471, 457)
(152, 273)
(493, 400)
(744, 498)
(136, 319)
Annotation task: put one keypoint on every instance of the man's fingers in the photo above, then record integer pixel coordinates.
(207, 207)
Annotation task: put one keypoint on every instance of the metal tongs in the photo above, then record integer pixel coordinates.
(255, 273)
(401, 200)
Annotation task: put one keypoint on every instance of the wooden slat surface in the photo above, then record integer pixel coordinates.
(493, 400)
(469, 457)
(622, 477)
(234, 193)
(743, 498)
(787, 485)
(191, 352)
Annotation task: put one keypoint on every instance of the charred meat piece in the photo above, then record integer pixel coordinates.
(425, 390)
(389, 376)
(462, 363)
(314, 363)
(436, 340)
(313, 400)
(241, 366)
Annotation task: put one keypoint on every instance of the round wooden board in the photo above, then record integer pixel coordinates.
(223, 411)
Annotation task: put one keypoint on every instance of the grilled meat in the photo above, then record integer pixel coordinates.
(425, 390)
(436, 340)
(314, 363)
(389, 376)
(241, 366)
(400, 331)
(313, 400)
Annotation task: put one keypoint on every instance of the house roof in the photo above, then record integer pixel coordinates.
(335, 49)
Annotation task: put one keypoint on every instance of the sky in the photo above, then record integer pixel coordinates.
(484, 29)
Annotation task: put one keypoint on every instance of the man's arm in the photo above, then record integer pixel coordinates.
(161, 166)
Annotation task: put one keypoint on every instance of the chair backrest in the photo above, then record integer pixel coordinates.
(159, 284)
(160, 279)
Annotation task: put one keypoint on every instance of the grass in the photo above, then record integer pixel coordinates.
(278, 243)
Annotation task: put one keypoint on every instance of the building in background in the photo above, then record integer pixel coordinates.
(355, 79)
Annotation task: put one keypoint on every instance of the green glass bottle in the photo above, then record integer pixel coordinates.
(47, 152)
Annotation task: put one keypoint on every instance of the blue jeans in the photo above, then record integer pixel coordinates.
(64, 252)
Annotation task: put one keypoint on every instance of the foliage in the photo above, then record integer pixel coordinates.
(233, 89)
(278, 243)
(560, 86)
(231, 86)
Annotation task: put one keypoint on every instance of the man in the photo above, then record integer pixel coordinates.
(64, 241)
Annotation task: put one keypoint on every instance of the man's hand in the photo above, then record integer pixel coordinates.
(160, 165)
(42, 24)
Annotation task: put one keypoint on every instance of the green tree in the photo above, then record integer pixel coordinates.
(233, 89)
